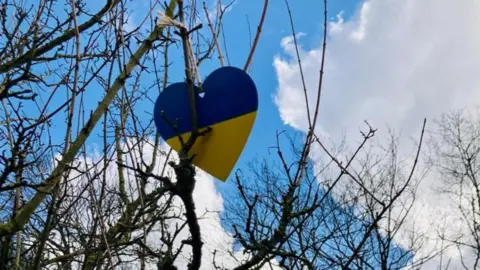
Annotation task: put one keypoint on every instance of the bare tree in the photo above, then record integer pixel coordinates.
(342, 214)
(71, 76)
(455, 145)
(59, 208)
(327, 213)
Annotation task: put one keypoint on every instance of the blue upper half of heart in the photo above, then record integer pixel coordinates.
(229, 92)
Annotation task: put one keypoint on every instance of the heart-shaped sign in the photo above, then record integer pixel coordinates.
(228, 105)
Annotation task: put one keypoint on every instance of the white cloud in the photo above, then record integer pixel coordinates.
(337, 26)
(394, 63)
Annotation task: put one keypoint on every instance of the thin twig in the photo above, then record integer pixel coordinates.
(294, 36)
(214, 35)
(310, 137)
(379, 216)
(224, 43)
(257, 36)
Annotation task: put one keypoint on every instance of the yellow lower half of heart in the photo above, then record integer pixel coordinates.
(217, 151)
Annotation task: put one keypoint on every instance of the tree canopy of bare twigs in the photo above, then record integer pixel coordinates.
(87, 183)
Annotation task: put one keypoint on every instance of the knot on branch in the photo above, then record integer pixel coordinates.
(185, 173)
(166, 264)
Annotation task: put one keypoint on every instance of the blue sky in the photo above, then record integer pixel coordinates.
(308, 19)
(388, 68)
(387, 65)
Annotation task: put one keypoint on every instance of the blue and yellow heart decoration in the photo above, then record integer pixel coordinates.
(229, 107)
